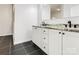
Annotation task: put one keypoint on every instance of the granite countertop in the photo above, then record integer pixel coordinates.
(62, 29)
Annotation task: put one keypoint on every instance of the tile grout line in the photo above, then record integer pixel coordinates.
(33, 51)
(24, 49)
(29, 45)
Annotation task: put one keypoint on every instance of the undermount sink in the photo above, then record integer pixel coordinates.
(56, 26)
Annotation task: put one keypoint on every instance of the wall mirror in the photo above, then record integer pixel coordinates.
(56, 11)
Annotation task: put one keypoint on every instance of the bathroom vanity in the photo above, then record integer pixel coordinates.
(56, 41)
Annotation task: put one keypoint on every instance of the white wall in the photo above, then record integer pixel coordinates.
(43, 12)
(67, 10)
(75, 10)
(25, 16)
(75, 14)
(6, 22)
(70, 10)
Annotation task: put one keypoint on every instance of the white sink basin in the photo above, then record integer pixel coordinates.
(56, 26)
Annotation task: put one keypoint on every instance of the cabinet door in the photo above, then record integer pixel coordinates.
(37, 36)
(55, 38)
(71, 43)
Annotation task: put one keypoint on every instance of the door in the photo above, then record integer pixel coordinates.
(71, 43)
(55, 40)
(6, 22)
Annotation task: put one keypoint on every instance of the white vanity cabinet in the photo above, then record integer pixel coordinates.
(40, 38)
(63, 42)
(55, 41)
(70, 43)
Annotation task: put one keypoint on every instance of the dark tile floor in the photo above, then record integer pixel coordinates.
(27, 48)
(5, 45)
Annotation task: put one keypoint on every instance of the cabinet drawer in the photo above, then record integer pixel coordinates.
(45, 47)
(45, 39)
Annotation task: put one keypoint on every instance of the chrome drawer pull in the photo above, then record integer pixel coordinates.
(44, 47)
(59, 32)
(44, 38)
(63, 33)
(44, 31)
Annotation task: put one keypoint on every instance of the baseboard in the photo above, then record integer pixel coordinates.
(21, 42)
(6, 34)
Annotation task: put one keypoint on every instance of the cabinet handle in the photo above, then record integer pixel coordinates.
(63, 33)
(44, 38)
(44, 47)
(59, 32)
(44, 31)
